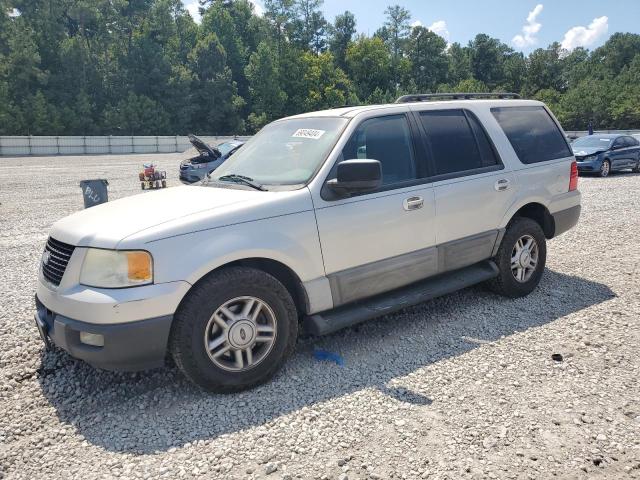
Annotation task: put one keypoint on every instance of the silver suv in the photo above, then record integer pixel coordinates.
(320, 221)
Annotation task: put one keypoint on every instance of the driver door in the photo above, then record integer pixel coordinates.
(377, 241)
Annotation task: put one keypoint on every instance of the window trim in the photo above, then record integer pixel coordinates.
(329, 196)
(433, 176)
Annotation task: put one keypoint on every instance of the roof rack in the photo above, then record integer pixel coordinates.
(422, 97)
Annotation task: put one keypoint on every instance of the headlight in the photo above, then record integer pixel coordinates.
(116, 269)
(589, 158)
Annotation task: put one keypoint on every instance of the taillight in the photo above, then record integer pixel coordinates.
(573, 177)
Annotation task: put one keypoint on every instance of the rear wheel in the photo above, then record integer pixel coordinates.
(521, 258)
(605, 168)
(234, 330)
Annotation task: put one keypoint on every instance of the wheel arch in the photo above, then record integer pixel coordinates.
(540, 214)
(283, 273)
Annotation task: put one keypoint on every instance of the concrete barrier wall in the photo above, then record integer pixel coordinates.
(93, 145)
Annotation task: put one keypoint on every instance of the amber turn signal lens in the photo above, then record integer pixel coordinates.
(139, 264)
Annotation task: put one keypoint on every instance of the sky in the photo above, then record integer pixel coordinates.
(524, 25)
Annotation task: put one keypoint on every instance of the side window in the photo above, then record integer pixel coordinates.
(629, 142)
(619, 143)
(533, 134)
(388, 140)
(458, 144)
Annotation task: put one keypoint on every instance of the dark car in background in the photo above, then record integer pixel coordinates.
(208, 158)
(604, 153)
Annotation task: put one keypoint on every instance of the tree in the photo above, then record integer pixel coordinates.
(429, 62)
(310, 25)
(369, 65)
(341, 34)
(487, 59)
(397, 30)
(325, 85)
(264, 83)
(459, 63)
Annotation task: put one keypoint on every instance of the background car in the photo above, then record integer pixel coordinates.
(605, 153)
(208, 158)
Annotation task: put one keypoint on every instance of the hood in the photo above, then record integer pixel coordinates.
(132, 221)
(584, 151)
(204, 148)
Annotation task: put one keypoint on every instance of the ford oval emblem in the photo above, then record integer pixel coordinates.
(45, 257)
(243, 334)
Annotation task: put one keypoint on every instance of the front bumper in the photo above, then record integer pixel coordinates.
(128, 347)
(589, 166)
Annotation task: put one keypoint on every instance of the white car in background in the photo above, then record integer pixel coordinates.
(318, 222)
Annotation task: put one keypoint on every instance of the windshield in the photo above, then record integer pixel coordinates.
(226, 147)
(592, 141)
(286, 152)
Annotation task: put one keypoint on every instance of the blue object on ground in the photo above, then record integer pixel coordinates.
(329, 356)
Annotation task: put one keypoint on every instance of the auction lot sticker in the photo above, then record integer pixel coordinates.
(308, 133)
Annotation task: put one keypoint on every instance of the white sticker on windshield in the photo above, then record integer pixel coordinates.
(308, 133)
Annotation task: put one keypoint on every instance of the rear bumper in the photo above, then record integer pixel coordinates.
(129, 346)
(566, 219)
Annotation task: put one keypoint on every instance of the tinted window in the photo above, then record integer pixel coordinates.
(458, 144)
(619, 142)
(388, 140)
(630, 141)
(532, 132)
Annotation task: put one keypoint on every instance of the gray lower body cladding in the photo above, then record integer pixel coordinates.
(391, 273)
(566, 219)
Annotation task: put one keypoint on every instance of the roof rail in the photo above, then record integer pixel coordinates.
(422, 97)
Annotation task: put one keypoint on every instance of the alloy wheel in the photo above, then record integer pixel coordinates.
(240, 333)
(524, 258)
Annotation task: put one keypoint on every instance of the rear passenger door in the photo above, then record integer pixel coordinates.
(473, 190)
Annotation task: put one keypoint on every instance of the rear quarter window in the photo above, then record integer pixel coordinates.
(532, 132)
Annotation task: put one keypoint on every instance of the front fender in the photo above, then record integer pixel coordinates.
(289, 239)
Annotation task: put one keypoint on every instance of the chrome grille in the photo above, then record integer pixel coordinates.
(59, 255)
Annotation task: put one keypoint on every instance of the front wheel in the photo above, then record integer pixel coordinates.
(605, 168)
(521, 259)
(234, 330)
(636, 169)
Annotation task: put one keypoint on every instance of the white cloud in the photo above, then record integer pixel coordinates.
(530, 29)
(193, 7)
(586, 36)
(257, 7)
(417, 23)
(440, 28)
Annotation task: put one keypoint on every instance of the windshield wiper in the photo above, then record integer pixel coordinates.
(233, 177)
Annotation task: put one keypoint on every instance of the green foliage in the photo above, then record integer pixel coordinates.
(145, 67)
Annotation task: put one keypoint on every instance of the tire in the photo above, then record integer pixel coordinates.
(194, 325)
(164, 184)
(506, 283)
(142, 185)
(636, 169)
(605, 169)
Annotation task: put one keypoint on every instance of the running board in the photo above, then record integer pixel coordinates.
(348, 315)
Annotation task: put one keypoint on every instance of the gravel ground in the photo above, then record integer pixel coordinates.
(460, 387)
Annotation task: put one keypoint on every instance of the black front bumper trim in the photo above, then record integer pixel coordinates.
(128, 347)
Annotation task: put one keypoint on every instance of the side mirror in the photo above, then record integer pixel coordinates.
(355, 176)
(617, 146)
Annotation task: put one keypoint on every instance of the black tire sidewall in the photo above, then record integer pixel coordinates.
(508, 284)
(194, 317)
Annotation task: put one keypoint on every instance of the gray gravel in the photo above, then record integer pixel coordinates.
(460, 387)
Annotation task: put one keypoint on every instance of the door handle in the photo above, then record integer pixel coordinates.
(502, 185)
(413, 203)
